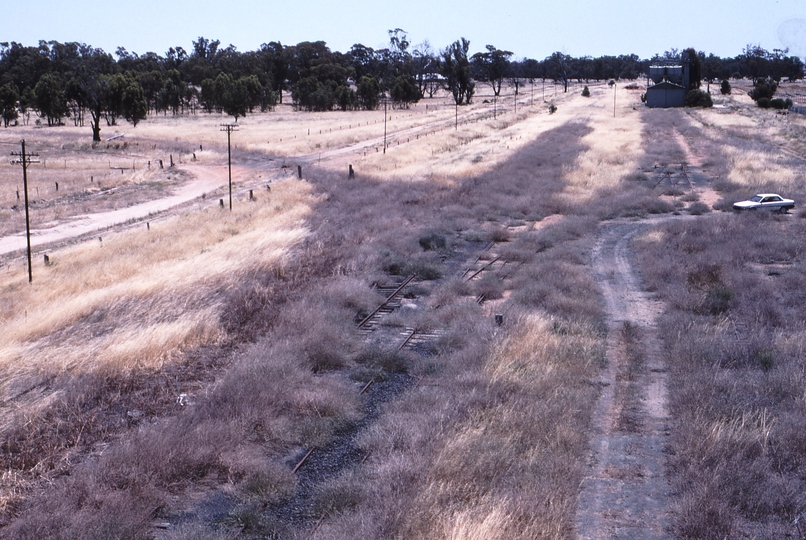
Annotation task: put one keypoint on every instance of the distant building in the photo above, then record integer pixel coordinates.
(671, 84)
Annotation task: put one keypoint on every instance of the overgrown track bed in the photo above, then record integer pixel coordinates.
(625, 494)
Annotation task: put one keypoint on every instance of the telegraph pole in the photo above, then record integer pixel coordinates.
(229, 128)
(384, 124)
(614, 98)
(25, 159)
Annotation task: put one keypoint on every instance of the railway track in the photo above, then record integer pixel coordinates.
(370, 322)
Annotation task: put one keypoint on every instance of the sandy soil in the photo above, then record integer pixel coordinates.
(694, 166)
(625, 494)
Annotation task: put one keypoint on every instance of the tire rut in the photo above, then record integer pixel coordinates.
(625, 494)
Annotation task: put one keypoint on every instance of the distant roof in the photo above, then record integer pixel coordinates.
(665, 85)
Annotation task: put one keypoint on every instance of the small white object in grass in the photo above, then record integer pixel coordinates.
(182, 399)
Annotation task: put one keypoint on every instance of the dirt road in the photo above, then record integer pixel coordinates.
(207, 179)
(625, 494)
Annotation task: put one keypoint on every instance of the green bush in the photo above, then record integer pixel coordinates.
(764, 102)
(586, 92)
(725, 88)
(778, 103)
(763, 89)
(698, 98)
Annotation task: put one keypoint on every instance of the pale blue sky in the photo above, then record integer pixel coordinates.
(530, 29)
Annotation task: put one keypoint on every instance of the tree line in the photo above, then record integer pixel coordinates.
(59, 81)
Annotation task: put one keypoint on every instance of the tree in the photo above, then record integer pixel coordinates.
(232, 95)
(346, 98)
(762, 92)
(424, 64)
(404, 91)
(8, 103)
(368, 91)
(134, 104)
(695, 68)
(27, 101)
(492, 66)
(558, 67)
(50, 99)
(455, 68)
(698, 98)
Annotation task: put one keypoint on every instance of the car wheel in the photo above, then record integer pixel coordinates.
(783, 210)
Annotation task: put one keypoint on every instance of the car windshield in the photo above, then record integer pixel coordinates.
(757, 198)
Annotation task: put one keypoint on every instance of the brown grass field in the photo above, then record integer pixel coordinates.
(163, 375)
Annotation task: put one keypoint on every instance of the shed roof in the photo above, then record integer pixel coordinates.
(665, 85)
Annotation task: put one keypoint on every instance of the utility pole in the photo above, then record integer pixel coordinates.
(614, 98)
(229, 128)
(456, 117)
(384, 124)
(25, 159)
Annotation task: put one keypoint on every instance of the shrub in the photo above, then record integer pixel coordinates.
(432, 241)
(698, 98)
(552, 108)
(586, 92)
(764, 102)
(763, 89)
(698, 208)
(725, 87)
(778, 103)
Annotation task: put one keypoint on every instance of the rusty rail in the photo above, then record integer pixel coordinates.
(483, 251)
(406, 341)
(391, 297)
(483, 268)
(302, 461)
(366, 387)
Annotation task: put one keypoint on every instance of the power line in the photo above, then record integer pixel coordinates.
(229, 128)
(25, 160)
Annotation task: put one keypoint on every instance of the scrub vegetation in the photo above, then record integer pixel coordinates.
(165, 380)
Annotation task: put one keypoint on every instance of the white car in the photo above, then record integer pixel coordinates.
(766, 201)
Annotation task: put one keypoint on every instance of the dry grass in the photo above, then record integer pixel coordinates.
(488, 447)
(613, 148)
(255, 313)
(734, 338)
(136, 298)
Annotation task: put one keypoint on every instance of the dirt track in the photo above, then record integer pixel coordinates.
(625, 494)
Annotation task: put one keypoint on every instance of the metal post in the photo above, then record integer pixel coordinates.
(456, 117)
(614, 98)
(384, 125)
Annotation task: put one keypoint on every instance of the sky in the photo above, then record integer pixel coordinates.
(531, 29)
